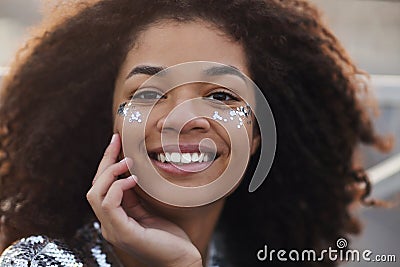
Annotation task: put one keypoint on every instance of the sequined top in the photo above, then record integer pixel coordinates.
(90, 249)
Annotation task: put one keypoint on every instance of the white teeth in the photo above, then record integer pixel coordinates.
(175, 157)
(162, 157)
(195, 157)
(201, 157)
(168, 157)
(185, 158)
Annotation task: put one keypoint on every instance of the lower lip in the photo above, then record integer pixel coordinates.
(183, 169)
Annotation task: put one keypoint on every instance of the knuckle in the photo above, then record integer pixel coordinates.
(115, 170)
(105, 234)
(106, 206)
(117, 185)
(89, 196)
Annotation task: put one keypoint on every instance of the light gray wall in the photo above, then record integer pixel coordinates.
(15, 18)
(25, 11)
(369, 30)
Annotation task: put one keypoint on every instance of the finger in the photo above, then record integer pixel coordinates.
(110, 155)
(112, 202)
(115, 194)
(113, 216)
(105, 180)
(97, 198)
(133, 206)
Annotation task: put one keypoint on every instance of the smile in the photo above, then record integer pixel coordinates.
(183, 159)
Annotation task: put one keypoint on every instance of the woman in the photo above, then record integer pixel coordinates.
(56, 121)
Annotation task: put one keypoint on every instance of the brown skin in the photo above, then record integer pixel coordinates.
(165, 45)
(168, 44)
(128, 226)
(48, 159)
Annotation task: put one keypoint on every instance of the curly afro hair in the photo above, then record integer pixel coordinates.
(55, 121)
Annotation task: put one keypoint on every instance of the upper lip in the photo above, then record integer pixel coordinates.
(183, 148)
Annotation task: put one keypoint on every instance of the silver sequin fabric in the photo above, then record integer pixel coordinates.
(38, 251)
(88, 249)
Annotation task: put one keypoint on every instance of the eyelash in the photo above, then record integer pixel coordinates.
(230, 95)
(135, 95)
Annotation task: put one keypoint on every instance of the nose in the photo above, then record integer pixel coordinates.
(184, 119)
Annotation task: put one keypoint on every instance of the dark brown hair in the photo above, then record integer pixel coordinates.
(55, 121)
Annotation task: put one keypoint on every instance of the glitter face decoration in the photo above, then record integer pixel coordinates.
(134, 116)
(239, 116)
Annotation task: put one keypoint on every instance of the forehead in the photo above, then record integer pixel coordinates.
(168, 43)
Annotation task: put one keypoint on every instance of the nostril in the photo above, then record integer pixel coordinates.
(198, 128)
(182, 125)
(197, 124)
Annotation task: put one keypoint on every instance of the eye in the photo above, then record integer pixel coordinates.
(222, 96)
(147, 95)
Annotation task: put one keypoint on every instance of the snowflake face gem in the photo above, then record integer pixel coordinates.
(235, 114)
(216, 116)
(123, 110)
(244, 111)
(135, 116)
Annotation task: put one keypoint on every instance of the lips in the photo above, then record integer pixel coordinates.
(183, 159)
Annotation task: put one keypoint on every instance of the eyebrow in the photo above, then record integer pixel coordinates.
(145, 69)
(213, 71)
(224, 70)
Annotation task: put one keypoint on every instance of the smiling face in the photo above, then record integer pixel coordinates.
(187, 132)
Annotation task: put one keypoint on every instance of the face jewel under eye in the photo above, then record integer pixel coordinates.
(244, 111)
(134, 116)
(122, 109)
(238, 116)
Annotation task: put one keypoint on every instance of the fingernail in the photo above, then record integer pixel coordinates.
(114, 138)
(128, 161)
(134, 177)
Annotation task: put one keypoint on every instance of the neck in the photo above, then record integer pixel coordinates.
(198, 223)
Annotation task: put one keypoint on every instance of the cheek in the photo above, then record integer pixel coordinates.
(130, 122)
(236, 122)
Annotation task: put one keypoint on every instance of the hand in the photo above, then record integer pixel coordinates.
(126, 224)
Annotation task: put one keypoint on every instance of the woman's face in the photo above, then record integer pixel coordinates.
(155, 132)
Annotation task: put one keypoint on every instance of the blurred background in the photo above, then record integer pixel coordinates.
(370, 31)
